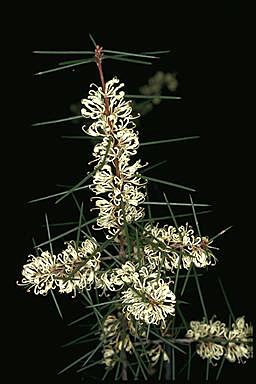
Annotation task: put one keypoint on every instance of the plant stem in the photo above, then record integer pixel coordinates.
(168, 364)
(98, 59)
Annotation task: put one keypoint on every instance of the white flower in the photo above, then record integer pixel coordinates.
(74, 268)
(115, 177)
(202, 329)
(149, 301)
(79, 265)
(238, 352)
(215, 339)
(155, 353)
(116, 278)
(40, 273)
(114, 340)
(167, 245)
(210, 351)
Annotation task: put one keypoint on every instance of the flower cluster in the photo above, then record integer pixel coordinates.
(215, 339)
(114, 176)
(155, 353)
(113, 342)
(147, 298)
(74, 268)
(172, 247)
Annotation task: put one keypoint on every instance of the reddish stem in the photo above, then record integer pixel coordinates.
(98, 59)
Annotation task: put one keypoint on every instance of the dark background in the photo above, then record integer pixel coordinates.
(209, 55)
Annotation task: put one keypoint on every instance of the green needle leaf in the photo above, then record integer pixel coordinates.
(56, 194)
(171, 212)
(207, 370)
(51, 249)
(79, 137)
(173, 364)
(120, 58)
(200, 293)
(186, 280)
(100, 165)
(80, 319)
(65, 67)
(70, 62)
(66, 233)
(130, 54)
(153, 166)
(57, 121)
(153, 97)
(89, 357)
(168, 140)
(221, 233)
(56, 304)
(156, 52)
(105, 303)
(194, 214)
(64, 52)
(176, 204)
(167, 183)
(79, 224)
(220, 368)
(167, 342)
(226, 299)
(189, 362)
(92, 39)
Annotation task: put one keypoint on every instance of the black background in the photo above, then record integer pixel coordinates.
(209, 54)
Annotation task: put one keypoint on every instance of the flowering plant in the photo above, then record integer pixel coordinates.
(133, 281)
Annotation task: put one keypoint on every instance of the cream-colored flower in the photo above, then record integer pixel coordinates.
(166, 245)
(149, 301)
(210, 351)
(79, 266)
(155, 353)
(114, 340)
(74, 268)
(215, 339)
(40, 273)
(202, 329)
(115, 177)
(115, 279)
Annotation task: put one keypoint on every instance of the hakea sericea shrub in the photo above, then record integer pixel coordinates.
(139, 276)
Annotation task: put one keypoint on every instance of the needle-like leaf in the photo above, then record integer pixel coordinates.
(74, 362)
(80, 319)
(167, 183)
(79, 224)
(200, 293)
(99, 166)
(64, 52)
(153, 166)
(168, 140)
(93, 40)
(57, 194)
(194, 214)
(153, 97)
(130, 54)
(220, 368)
(176, 204)
(207, 371)
(167, 341)
(51, 249)
(89, 357)
(65, 67)
(226, 300)
(57, 121)
(121, 58)
(66, 233)
(220, 233)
